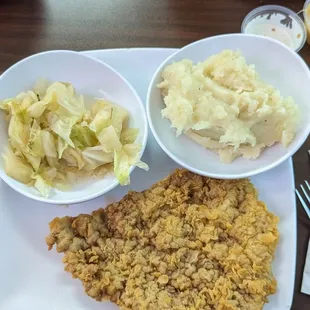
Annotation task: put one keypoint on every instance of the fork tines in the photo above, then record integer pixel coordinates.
(306, 191)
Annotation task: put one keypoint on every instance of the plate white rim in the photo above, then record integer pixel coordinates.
(291, 182)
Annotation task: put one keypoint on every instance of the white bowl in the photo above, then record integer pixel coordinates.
(276, 64)
(89, 77)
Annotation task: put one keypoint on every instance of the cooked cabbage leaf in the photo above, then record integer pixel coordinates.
(6, 105)
(34, 161)
(41, 185)
(119, 117)
(34, 145)
(95, 156)
(129, 135)
(109, 140)
(75, 106)
(40, 88)
(102, 119)
(62, 126)
(82, 136)
(37, 109)
(122, 167)
(16, 167)
(73, 157)
(64, 101)
(124, 159)
(48, 143)
(61, 146)
(18, 132)
(100, 104)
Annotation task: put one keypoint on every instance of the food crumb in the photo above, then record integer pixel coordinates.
(298, 36)
(273, 29)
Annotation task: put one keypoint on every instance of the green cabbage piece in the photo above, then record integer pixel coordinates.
(18, 132)
(73, 157)
(6, 105)
(129, 135)
(124, 159)
(62, 126)
(48, 144)
(118, 118)
(109, 140)
(37, 109)
(34, 161)
(41, 185)
(34, 145)
(101, 120)
(61, 146)
(75, 106)
(40, 88)
(95, 157)
(64, 100)
(16, 167)
(83, 137)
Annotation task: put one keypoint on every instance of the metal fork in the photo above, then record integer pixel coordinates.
(306, 194)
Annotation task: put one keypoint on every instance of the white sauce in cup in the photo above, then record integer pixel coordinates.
(278, 23)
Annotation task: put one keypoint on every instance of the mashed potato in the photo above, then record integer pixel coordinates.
(223, 105)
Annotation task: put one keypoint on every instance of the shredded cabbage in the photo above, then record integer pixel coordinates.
(16, 167)
(119, 118)
(124, 159)
(102, 118)
(48, 144)
(37, 109)
(109, 140)
(41, 185)
(34, 161)
(96, 156)
(73, 158)
(34, 144)
(61, 146)
(18, 133)
(82, 136)
(129, 135)
(54, 139)
(62, 126)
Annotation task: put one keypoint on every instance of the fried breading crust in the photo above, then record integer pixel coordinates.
(189, 242)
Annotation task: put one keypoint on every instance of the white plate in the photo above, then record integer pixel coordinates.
(33, 278)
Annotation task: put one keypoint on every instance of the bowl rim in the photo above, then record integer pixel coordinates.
(9, 181)
(223, 175)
